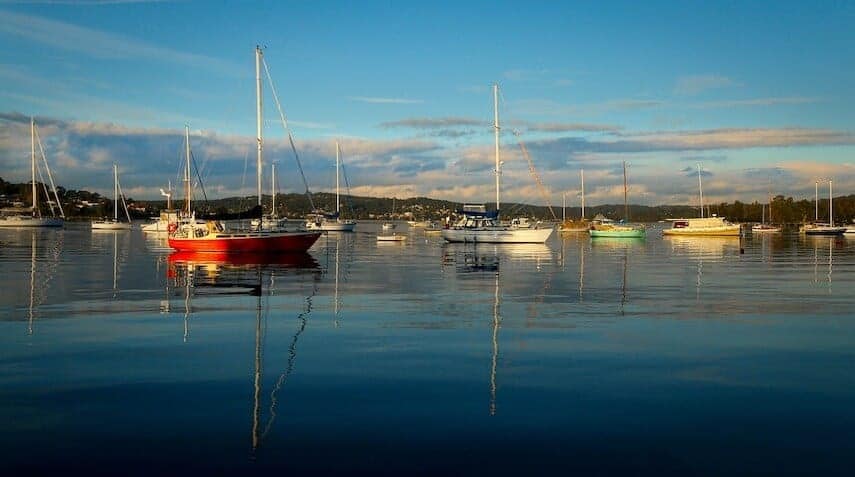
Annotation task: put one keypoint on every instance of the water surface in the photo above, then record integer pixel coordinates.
(678, 356)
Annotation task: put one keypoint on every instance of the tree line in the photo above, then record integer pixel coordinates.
(785, 210)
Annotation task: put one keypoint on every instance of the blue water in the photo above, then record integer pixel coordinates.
(664, 356)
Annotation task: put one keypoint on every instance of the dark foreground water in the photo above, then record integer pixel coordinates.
(664, 356)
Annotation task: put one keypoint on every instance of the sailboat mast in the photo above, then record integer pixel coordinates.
(187, 187)
(625, 203)
(816, 201)
(700, 190)
(115, 192)
(564, 207)
(770, 205)
(583, 193)
(337, 153)
(33, 151)
(258, 136)
(496, 129)
(830, 206)
(273, 189)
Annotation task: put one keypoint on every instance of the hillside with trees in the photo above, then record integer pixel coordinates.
(86, 205)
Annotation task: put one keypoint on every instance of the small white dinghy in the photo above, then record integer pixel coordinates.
(391, 238)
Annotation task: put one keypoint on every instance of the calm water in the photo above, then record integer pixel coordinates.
(666, 356)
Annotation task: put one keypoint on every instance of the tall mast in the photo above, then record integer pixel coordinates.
(273, 189)
(700, 190)
(583, 193)
(115, 192)
(187, 186)
(564, 206)
(33, 151)
(337, 153)
(258, 136)
(496, 128)
(770, 205)
(816, 201)
(830, 206)
(625, 203)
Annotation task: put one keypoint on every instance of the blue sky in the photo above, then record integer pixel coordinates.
(759, 92)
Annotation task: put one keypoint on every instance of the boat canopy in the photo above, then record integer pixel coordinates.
(330, 215)
(489, 214)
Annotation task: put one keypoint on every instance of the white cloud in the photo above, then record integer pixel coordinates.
(100, 44)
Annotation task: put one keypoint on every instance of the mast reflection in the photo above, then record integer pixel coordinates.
(244, 274)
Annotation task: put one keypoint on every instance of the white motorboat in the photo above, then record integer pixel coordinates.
(711, 226)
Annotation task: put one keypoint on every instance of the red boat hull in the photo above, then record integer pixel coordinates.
(258, 242)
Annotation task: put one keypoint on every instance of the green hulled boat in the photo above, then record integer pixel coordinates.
(620, 230)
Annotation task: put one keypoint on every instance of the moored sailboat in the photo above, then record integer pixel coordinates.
(332, 222)
(763, 227)
(482, 226)
(115, 223)
(214, 238)
(623, 229)
(818, 228)
(19, 218)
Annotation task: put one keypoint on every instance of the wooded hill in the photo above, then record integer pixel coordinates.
(85, 204)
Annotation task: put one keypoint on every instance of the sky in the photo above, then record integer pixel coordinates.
(758, 93)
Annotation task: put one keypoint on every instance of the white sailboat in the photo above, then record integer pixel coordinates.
(332, 222)
(114, 223)
(19, 218)
(389, 225)
(818, 228)
(763, 227)
(482, 226)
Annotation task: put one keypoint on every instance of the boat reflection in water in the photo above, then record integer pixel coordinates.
(819, 243)
(479, 265)
(704, 247)
(620, 247)
(255, 275)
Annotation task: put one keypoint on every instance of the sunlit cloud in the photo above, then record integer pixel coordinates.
(81, 152)
(432, 123)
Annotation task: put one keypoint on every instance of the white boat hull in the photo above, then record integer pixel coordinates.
(825, 230)
(111, 225)
(496, 235)
(155, 228)
(391, 238)
(27, 221)
(332, 226)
